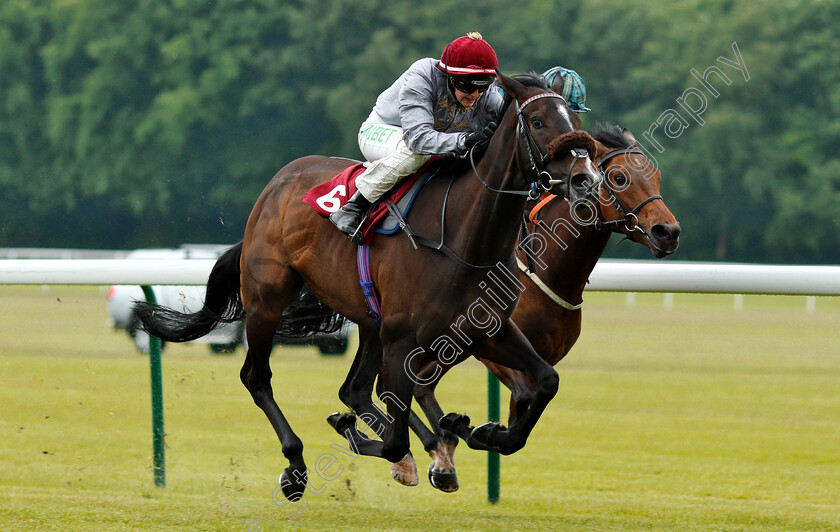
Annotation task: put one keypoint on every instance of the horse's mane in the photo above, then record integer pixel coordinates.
(611, 135)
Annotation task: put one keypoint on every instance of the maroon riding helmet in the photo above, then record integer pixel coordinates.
(470, 62)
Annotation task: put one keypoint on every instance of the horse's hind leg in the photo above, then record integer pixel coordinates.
(264, 304)
(396, 395)
(356, 393)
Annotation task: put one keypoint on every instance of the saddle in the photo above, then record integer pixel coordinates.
(387, 214)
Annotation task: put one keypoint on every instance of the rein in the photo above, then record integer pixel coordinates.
(537, 165)
(437, 246)
(522, 131)
(530, 269)
(629, 220)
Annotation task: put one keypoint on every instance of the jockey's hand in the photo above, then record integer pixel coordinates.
(480, 137)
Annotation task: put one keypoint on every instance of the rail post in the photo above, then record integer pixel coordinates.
(493, 414)
(159, 457)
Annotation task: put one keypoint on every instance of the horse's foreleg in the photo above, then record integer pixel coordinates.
(358, 385)
(441, 443)
(357, 388)
(509, 347)
(396, 395)
(368, 340)
(520, 386)
(356, 393)
(398, 387)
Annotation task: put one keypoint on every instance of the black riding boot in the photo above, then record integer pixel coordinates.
(348, 218)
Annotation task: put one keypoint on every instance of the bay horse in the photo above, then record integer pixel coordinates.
(287, 246)
(561, 249)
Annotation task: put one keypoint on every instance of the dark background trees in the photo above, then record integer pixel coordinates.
(154, 123)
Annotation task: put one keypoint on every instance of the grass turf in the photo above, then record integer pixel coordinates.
(699, 417)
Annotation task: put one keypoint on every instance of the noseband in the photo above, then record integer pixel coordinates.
(539, 163)
(630, 220)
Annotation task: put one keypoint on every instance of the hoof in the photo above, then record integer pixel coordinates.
(446, 482)
(452, 421)
(488, 433)
(291, 484)
(341, 421)
(405, 471)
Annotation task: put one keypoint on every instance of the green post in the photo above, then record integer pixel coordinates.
(493, 414)
(157, 401)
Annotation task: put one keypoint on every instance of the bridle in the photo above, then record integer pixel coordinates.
(629, 218)
(537, 160)
(541, 183)
(630, 221)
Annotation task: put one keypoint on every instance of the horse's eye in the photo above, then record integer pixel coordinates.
(536, 122)
(620, 180)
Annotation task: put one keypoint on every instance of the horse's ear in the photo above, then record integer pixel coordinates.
(510, 85)
(629, 136)
(558, 83)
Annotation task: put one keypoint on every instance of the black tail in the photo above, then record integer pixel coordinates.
(222, 303)
(306, 317)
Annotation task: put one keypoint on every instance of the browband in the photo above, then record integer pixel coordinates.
(541, 95)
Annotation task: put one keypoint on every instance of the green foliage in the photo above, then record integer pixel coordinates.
(170, 117)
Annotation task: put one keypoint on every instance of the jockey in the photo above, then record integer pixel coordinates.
(436, 107)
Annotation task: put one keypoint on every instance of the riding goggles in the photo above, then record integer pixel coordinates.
(470, 84)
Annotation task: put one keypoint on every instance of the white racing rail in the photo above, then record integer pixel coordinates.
(106, 271)
(714, 278)
(609, 275)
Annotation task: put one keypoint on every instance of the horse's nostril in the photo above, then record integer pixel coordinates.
(580, 182)
(665, 232)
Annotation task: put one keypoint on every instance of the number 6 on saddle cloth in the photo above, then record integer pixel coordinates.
(329, 197)
(386, 217)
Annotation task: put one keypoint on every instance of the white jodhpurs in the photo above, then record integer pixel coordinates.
(391, 160)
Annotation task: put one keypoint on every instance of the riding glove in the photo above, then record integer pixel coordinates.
(480, 137)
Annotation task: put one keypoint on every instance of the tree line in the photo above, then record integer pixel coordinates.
(154, 123)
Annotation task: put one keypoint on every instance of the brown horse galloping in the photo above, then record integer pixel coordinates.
(562, 249)
(548, 313)
(423, 292)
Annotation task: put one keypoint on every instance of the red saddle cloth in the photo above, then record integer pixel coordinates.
(328, 197)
